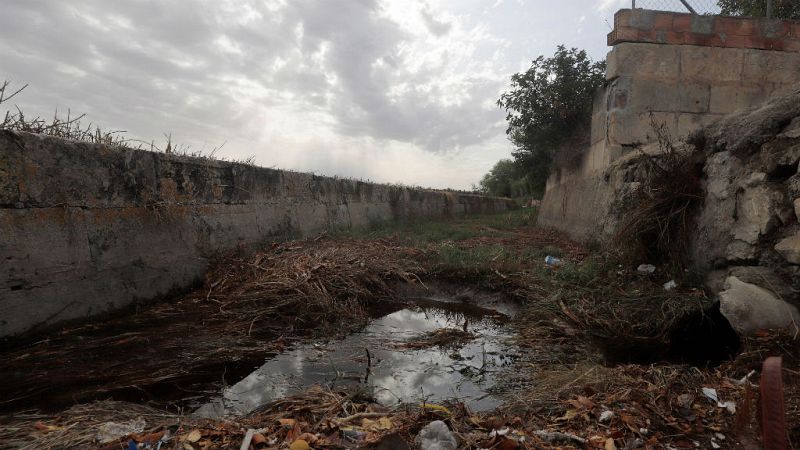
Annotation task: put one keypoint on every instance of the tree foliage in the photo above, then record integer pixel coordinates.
(506, 179)
(549, 108)
(782, 9)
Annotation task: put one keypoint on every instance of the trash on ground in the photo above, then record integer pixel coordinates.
(552, 261)
(436, 436)
(646, 269)
(670, 285)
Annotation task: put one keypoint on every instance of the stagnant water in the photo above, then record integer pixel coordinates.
(465, 370)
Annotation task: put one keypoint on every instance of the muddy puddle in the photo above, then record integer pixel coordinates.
(415, 352)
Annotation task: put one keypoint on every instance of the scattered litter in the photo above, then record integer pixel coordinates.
(646, 269)
(744, 379)
(110, 431)
(711, 394)
(552, 261)
(670, 285)
(606, 416)
(436, 436)
(248, 437)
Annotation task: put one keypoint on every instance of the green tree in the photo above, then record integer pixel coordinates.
(549, 109)
(782, 9)
(499, 180)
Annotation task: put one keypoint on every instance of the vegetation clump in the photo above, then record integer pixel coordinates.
(549, 109)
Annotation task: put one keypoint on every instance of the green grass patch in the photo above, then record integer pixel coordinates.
(422, 233)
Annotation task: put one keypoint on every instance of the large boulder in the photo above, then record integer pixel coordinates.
(750, 308)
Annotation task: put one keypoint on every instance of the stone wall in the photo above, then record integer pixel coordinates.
(679, 71)
(87, 229)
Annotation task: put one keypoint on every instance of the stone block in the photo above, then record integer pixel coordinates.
(644, 61)
(711, 65)
(598, 127)
(762, 67)
(672, 96)
(728, 98)
(629, 128)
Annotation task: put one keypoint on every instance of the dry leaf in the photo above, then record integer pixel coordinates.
(287, 423)
(569, 415)
(299, 445)
(258, 438)
(610, 445)
(194, 436)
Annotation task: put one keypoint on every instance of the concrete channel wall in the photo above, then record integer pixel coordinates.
(86, 229)
(677, 71)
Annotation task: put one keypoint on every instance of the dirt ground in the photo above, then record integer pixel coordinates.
(610, 358)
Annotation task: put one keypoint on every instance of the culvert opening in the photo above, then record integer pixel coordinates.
(703, 339)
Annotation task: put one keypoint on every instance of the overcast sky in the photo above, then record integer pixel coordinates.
(386, 90)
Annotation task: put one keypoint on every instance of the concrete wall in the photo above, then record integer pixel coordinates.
(676, 70)
(87, 229)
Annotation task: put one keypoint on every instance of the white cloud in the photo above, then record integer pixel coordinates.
(392, 90)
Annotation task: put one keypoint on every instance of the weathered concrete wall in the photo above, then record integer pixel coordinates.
(86, 229)
(676, 70)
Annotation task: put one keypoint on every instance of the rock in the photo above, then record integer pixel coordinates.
(739, 251)
(436, 436)
(793, 186)
(797, 208)
(789, 248)
(758, 275)
(754, 179)
(792, 130)
(606, 416)
(719, 170)
(750, 308)
(758, 213)
(646, 269)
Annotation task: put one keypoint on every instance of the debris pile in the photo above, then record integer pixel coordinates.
(250, 307)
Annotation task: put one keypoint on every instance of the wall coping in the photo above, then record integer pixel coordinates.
(664, 27)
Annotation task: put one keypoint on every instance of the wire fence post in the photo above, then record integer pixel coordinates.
(769, 9)
(689, 7)
(633, 4)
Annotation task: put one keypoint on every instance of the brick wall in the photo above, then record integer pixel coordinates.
(660, 27)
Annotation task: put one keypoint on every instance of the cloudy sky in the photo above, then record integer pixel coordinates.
(386, 90)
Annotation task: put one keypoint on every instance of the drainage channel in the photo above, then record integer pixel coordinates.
(435, 348)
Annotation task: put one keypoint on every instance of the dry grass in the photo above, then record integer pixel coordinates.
(250, 306)
(657, 226)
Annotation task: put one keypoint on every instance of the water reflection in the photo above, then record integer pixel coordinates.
(397, 375)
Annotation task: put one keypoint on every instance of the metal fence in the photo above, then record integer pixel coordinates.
(691, 6)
